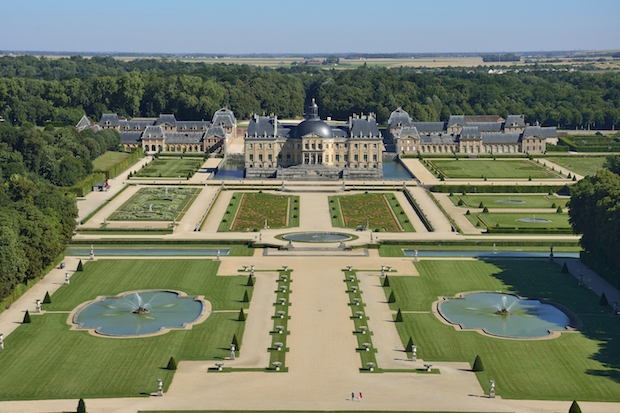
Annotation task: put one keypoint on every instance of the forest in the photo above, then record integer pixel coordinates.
(43, 90)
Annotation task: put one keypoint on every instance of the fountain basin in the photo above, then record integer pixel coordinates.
(534, 220)
(317, 237)
(509, 201)
(140, 313)
(513, 317)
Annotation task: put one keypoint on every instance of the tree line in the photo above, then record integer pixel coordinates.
(62, 90)
(595, 212)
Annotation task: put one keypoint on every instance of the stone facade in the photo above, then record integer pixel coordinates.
(313, 148)
(467, 134)
(167, 134)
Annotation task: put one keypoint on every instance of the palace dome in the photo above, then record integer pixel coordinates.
(315, 126)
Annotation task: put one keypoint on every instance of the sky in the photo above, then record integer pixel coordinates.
(311, 26)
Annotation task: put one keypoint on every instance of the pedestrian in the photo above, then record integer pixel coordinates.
(359, 399)
(352, 396)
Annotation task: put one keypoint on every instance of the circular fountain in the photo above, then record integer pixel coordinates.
(138, 313)
(503, 315)
(317, 237)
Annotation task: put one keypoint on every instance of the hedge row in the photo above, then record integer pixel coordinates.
(486, 243)
(502, 189)
(116, 170)
(85, 186)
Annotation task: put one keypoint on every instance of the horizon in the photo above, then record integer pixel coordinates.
(244, 28)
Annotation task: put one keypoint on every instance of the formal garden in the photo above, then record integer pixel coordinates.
(74, 364)
(582, 365)
(470, 200)
(170, 167)
(253, 211)
(489, 169)
(156, 204)
(378, 211)
(526, 222)
(583, 165)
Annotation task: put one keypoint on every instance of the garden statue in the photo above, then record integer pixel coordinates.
(67, 278)
(232, 351)
(160, 389)
(1, 341)
(414, 351)
(38, 302)
(492, 390)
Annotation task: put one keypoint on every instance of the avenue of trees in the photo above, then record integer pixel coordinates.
(62, 90)
(595, 212)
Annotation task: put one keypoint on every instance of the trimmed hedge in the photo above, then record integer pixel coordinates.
(116, 170)
(85, 186)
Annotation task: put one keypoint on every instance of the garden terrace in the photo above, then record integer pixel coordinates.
(156, 204)
(508, 201)
(509, 222)
(382, 212)
(169, 167)
(248, 211)
(490, 169)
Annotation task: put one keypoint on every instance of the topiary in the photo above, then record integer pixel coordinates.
(574, 408)
(485, 210)
(399, 317)
(565, 268)
(477, 364)
(530, 178)
(574, 178)
(392, 299)
(47, 299)
(386, 282)
(234, 341)
(460, 203)
(569, 176)
(81, 407)
(172, 364)
(603, 301)
(553, 205)
(409, 346)
(241, 315)
(26, 318)
(467, 213)
(451, 194)
(481, 205)
(559, 210)
(246, 299)
(250, 282)
(80, 267)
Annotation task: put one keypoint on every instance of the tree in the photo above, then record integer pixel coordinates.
(26, 318)
(391, 298)
(399, 317)
(477, 364)
(574, 408)
(386, 282)
(47, 299)
(246, 299)
(81, 407)
(172, 364)
(241, 315)
(80, 267)
(612, 163)
(250, 282)
(409, 346)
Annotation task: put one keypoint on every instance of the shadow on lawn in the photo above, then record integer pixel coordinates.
(535, 278)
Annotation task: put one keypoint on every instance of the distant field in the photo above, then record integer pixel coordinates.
(582, 165)
(477, 169)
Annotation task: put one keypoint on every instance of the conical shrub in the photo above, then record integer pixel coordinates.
(565, 268)
(250, 282)
(391, 298)
(81, 407)
(603, 301)
(47, 299)
(574, 408)
(481, 205)
(172, 364)
(409, 347)
(80, 267)
(485, 210)
(235, 342)
(246, 299)
(399, 317)
(26, 318)
(386, 282)
(241, 315)
(477, 364)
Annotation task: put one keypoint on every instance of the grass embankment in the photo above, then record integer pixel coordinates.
(491, 169)
(44, 360)
(108, 160)
(170, 168)
(583, 366)
(382, 212)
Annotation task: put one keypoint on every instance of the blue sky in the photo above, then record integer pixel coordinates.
(311, 26)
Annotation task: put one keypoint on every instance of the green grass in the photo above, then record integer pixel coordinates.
(379, 210)
(397, 250)
(509, 220)
(170, 168)
(583, 165)
(44, 360)
(249, 210)
(235, 250)
(165, 207)
(108, 160)
(501, 168)
(528, 201)
(583, 366)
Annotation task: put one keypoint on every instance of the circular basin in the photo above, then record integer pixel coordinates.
(527, 318)
(138, 313)
(317, 237)
(534, 220)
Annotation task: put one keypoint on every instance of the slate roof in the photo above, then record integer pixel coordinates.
(486, 126)
(365, 128)
(483, 118)
(456, 120)
(470, 132)
(516, 119)
(407, 131)
(189, 125)
(131, 137)
(539, 132)
(110, 119)
(153, 132)
(501, 138)
(263, 126)
(437, 138)
(399, 116)
(215, 131)
(184, 137)
(166, 118)
(224, 117)
(429, 126)
(133, 125)
(84, 123)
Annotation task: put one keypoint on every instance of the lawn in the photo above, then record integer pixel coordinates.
(583, 165)
(170, 168)
(509, 201)
(108, 160)
(582, 366)
(44, 360)
(509, 220)
(248, 211)
(382, 212)
(156, 204)
(491, 169)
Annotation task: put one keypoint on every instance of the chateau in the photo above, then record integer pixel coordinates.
(168, 134)
(466, 134)
(313, 149)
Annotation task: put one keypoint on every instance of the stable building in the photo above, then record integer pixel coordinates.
(167, 134)
(467, 134)
(313, 149)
